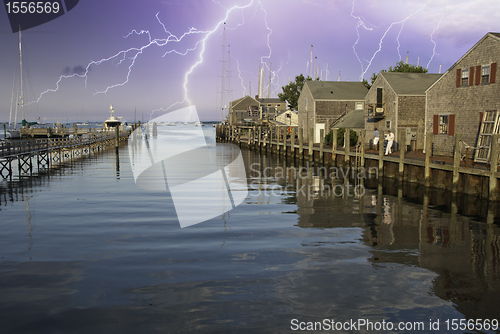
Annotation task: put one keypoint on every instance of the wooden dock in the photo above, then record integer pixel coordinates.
(451, 173)
(30, 157)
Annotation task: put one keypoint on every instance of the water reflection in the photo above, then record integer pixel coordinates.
(454, 236)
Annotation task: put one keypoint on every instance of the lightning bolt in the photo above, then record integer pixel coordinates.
(361, 23)
(432, 40)
(130, 55)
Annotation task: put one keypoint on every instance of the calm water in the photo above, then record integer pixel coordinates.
(84, 250)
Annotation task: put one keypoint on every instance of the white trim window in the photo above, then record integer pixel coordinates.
(485, 74)
(465, 77)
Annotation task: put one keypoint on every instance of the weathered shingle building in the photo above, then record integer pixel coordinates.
(396, 102)
(323, 102)
(466, 100)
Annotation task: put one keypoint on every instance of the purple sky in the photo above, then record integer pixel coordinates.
(437, 33)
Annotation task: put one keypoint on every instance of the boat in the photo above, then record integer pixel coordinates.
(112, 122)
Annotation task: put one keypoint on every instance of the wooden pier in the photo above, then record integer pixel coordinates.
(30, 157)
(451, 173)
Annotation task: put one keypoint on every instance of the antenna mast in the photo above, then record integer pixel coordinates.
(269, 88)
(311, 63)
(21, 71)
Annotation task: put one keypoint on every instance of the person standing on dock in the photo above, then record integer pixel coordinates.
(390, 141)
(376, 137)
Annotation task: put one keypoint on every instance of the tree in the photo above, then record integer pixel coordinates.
(400, 67)
(353, 137)
(291, 92)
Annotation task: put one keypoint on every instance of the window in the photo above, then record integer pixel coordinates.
(444, 121)
(305, 103)
(485, 74)
(388, 125)
(379, 97)
(444, 124)
(465, 77)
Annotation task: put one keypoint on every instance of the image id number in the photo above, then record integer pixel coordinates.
(39, 7)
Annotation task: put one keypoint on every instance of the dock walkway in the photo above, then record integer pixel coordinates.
(455, 173)
(31, 157)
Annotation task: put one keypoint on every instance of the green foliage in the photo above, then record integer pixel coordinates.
(340, 137)
(400, 67)
(291, 92)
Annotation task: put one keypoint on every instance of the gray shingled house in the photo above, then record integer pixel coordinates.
(243, 108)
(466, 100)
(323, 102)
(396, 102)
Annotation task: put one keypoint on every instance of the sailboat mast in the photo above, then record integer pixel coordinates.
(223, 83)
(21, 71)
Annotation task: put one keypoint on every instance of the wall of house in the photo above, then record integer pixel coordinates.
(465, 102)
(411, 114)
(389, 104)
(332, 110)
(306, 115)
(240, 110)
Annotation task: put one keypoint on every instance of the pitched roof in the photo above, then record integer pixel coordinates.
(238, 101)
(410, 83)
(270, 100)
(354, 119)
(337, 90)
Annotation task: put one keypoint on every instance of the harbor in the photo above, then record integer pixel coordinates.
(85, 248)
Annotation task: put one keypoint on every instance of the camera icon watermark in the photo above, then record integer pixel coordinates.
(204, 178)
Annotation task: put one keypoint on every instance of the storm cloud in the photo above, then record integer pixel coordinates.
(79, 69)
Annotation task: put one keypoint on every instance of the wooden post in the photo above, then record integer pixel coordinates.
(321, 140)
(259, 135)
(334, 146)
(428, 149)
(493, 196)
(381, 153)
(279, 139)
(311, 143)
(456, 162)
(363, 136)
(467, 157)
(402, 150)
(347, 147)
(292, 143)
(301, 143)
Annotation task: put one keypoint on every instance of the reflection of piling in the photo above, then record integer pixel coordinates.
(155, 129)
(117, 137)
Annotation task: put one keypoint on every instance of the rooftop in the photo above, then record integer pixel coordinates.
(410, 83)
(337, 90)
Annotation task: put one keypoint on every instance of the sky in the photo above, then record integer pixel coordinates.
(149, 57)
